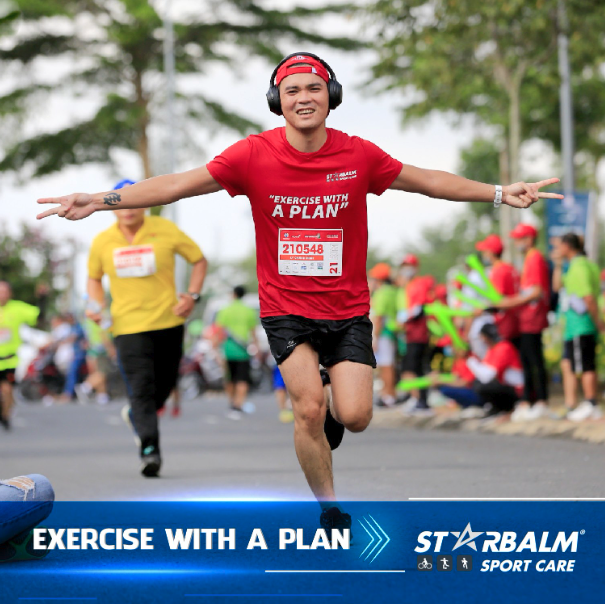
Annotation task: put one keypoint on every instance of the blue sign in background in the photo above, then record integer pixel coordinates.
(389, 574)
(564, 217)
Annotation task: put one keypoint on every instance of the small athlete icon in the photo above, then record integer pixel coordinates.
(464, 563)
(444, 563)
(425, 564)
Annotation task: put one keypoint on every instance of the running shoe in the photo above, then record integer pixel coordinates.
(585, 410)
(126, 414)
(82, 394)
(333, 518)
(539, 410)
(334, 430)
(235, 414)
(386, 402)
(151, 462)
(521, 413)
(286, 416)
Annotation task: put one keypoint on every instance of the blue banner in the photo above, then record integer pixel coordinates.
(414, 551)
(574, 214)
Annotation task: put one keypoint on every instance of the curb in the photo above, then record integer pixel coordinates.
(588, 431)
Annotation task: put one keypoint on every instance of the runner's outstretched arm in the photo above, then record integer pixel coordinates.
(157, 191)
(443, 185)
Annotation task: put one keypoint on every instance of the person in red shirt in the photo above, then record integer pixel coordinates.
(505, 279)
(307, 185)
(412, 296)
(533, 304)
(500, 374)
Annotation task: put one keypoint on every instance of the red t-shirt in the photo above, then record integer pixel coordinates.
(460, 369)
(418, 292)
(502, 356)
(533, 316)
(505, 279)
(309, 210)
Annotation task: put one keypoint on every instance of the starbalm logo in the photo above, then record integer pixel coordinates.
(500, 542)
(338, 176)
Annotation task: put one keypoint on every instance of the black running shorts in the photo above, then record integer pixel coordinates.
(581, 352)
(7, 375)
(334, 341)
(239, 371)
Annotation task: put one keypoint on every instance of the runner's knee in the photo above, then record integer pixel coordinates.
(310, 414)
(356, 421)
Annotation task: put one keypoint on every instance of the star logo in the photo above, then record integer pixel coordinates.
(467, 538)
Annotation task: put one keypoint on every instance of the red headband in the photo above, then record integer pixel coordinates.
(311, 66)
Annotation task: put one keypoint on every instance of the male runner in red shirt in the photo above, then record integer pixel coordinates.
(307, 186)
(533, 304)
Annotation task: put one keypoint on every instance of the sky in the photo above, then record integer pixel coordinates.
(222, 225)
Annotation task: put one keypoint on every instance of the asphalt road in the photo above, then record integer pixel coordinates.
(89, 454)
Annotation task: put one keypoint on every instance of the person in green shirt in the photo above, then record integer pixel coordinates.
(13, 314)
(238, 322)
(383, 312)
(581, 283)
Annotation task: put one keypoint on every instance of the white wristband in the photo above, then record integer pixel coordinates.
(498, 196)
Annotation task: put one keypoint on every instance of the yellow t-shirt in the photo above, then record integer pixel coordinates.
(12, 315)
(141, 273)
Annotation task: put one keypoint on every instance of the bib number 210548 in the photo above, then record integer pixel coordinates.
(310, 252)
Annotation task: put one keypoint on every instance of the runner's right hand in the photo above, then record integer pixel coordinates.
(73, 207)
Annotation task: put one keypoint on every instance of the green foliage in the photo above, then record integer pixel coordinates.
(114, 52)
(477, 58)
(28, 260)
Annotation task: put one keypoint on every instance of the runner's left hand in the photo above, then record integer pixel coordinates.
(184, 306)
(523, 195)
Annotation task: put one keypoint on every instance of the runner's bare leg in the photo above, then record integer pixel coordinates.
(303, 382)
(352, 394)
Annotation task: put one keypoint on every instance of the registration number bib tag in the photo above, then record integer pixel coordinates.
(310, 252)
(134, 261)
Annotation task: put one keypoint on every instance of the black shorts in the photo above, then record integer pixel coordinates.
(581, 352)
(334, 340)
(239, 371)
(415, 358)
(7, 375)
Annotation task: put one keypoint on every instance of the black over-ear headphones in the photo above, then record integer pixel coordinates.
(334, 86)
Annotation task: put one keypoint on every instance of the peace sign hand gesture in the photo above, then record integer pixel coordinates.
(523, 195)
(73, 207)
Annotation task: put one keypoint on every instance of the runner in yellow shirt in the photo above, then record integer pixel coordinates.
(13, 314)
(138, 253)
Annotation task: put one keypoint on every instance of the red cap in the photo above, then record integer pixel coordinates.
(411, 260)
(441, 292)
(311, 66)
(382, 271)
(492, 243)
(523, 230)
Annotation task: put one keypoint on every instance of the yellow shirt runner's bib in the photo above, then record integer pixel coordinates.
(141, 273)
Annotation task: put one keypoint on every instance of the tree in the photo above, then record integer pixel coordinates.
(495, 61)
(113, 50)
(30, 259)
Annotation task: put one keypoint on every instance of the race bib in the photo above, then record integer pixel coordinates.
(310, 252)
(134, 261)
(6, 335)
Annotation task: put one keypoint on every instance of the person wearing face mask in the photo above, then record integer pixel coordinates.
(411, 297)
(533, 304)
(505, 278)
